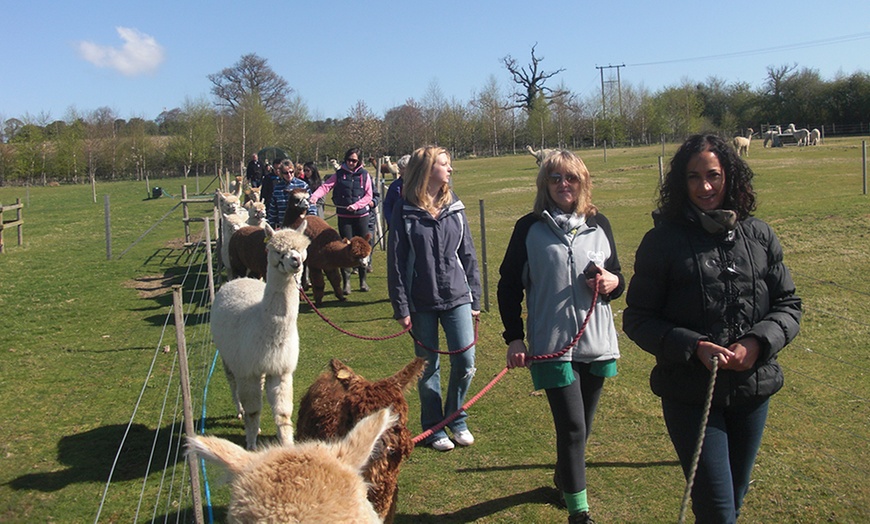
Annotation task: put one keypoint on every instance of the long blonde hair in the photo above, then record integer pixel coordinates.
(415, 188)
(564, 162)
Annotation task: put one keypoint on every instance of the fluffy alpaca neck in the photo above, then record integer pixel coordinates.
(281, 296)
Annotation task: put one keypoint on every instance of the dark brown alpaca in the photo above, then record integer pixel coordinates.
(339, 398)
(328, 253)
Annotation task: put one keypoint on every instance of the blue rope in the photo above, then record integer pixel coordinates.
(202, 432)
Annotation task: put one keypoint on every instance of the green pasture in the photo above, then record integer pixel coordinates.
(82, 338)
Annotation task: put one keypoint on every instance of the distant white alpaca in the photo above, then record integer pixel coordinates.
(335, 164)
(815, 137)
(770, 135)
(801, 136)
(741, 144)
(315, 481)
(540, 154)
(254, 328)
(236, 187)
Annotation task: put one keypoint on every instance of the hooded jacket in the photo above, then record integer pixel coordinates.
(431, 262)
(691, 285)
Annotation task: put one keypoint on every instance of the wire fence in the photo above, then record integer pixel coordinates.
(167, 496)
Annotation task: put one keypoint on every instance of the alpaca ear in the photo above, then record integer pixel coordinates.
(231, 456)
(302, 226)
(357, 447)
(408, 375)
(368, 237)
(342, 372)
(269, 231)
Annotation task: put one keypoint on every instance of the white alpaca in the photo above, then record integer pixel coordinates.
(801, 136)
(335, 164)
(770, 135)
(233, 217)
(540, 154)
(236, 187)
(741, 144)
(815, 137)
(254, 328)
(316, 481)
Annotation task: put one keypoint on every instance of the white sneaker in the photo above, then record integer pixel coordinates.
(463, 438)
(442, 444)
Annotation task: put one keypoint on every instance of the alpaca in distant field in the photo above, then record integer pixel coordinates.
(335, 164)
(539, 154)
(254, 329)
(741, 144)
(387, 166)
(340, 398)
(769, 136)
(801, 136)
(815, 137)
(317, 481)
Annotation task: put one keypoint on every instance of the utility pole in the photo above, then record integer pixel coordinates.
(618, 87)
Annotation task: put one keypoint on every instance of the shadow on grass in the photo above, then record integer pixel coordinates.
(88, 456)
(542, 495)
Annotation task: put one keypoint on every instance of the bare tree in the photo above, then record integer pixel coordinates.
(531, 79)
(251, 75)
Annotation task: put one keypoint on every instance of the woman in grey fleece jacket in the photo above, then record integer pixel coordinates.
(546, 257)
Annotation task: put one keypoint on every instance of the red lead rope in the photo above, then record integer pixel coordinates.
(438, 427)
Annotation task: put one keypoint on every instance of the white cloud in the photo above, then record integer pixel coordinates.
(140, 54)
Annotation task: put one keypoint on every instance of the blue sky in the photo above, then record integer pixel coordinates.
(142, 57)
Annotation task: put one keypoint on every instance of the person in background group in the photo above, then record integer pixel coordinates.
(278, 202)
(311, 175)
(557, 255)
(394, 192)
(270, 178)
(351, 188)
(432, 276)
(254, 172)
(709, 282)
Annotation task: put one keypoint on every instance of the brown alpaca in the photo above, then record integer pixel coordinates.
(311, 482)
(247, 251)
(339, 398)
(329, 254)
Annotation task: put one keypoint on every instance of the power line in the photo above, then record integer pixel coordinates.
(786, 47)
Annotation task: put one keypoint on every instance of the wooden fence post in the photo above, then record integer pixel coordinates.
(192, 459)
(484, 264)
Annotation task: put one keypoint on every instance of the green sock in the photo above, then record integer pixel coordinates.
(576, 502)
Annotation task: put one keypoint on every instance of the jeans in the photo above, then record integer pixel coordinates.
(459, 330)
(573, 408)
(727, 455)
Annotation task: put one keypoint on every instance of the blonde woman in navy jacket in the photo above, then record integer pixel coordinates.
(545, 260)
(433, 278)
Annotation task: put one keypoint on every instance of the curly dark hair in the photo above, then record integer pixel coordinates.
(739, 194)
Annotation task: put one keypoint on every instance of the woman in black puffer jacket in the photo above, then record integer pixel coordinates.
(710, 282)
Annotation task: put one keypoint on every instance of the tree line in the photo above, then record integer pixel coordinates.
(252, 107)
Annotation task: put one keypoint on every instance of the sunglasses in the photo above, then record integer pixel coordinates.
(351, 160)
(557, 178)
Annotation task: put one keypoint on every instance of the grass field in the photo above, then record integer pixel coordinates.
(82, 337)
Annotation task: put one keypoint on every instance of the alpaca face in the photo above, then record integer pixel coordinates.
(298, 200)
(287, 250)
(229, 204)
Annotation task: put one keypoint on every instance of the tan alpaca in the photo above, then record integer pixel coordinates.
(316, 481)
